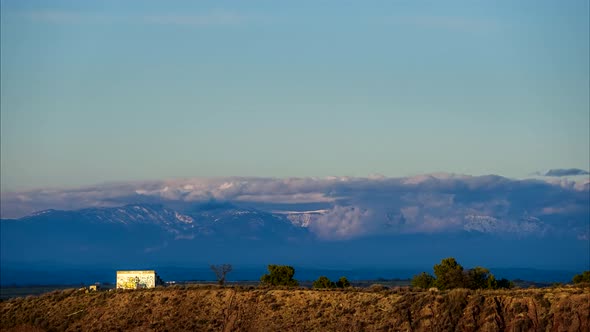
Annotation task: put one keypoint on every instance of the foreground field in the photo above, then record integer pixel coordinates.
(209, 308)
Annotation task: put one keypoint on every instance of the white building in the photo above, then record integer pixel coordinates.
(138, 279)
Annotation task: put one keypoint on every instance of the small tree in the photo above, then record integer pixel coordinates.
(449, 274)
(492, 283)
(480, 278)
(582, 277)
(504, 283)
(279, 275)
(342, 283)
(423, 280)
(220, 272)
(323, 282)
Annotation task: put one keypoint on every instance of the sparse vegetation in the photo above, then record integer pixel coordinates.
(209, 308)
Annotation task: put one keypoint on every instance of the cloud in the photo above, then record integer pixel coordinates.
(212, 18)
(209, 18)
(444, 22)
(342, 222)
(355, 207)
(68, 17)
(566, 172)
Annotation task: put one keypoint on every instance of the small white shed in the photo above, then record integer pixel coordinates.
(138, 279)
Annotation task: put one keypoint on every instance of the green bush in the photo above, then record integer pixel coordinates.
(342, 283)
(423, 280)
(449, 274)
(279, 275)
(582, 277)
(323, 282)
(504, 283)
(480, 278)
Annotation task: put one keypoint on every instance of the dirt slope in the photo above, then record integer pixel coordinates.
(256, 309)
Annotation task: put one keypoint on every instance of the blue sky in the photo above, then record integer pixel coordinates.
(99, 91)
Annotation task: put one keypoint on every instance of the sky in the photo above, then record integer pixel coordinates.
(103, 91)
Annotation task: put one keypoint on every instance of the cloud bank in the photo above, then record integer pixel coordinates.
(566, 172)
(353, 207)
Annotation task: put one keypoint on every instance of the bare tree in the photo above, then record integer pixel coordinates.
(220, 272)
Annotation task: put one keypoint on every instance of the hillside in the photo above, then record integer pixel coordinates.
(208, 308)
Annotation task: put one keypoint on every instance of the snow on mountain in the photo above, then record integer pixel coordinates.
(183, 218)
(526, 225)
(231, 221)
(482, 224)
(413, 180)
(154, 214)
(302, 218)
(223, 220)
(42, 212)
(135, 214)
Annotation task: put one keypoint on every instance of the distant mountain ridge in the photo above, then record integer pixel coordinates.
(200, 220)
(214, 232)
(338, 208)
(226, 219)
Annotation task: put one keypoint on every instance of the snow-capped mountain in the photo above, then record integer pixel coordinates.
(138, 234)
(129, 215)
(229, 220)
(142, 230)
(482, 224)
(526, 225)
(201, 220)
(302, 218)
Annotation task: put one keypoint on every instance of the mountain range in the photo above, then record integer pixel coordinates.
(333, 223)
(155, 234)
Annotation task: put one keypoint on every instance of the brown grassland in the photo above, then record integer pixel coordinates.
(212, 308)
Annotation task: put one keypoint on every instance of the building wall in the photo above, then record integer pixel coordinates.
(136, 279)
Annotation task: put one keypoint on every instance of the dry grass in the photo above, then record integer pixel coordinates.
(213, 308)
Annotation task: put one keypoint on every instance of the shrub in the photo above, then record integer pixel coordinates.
(480, 278)
(323, 282)
(582, 277)
(449, 274)
(423, 280)
(342, 283)
(279, 275)
(504, 283)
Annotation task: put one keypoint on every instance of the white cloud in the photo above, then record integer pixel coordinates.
(467, 24)
(212, 18)
(208, 18)
(354, 206)
(342, 222)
